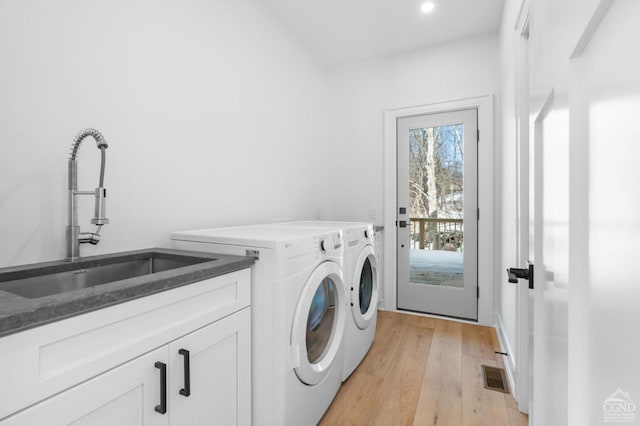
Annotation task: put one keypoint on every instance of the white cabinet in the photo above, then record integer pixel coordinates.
(158, 388)
(220, 375)
(125, 395)
(110, 362)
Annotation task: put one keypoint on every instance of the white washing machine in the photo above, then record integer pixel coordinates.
(360, 267)
(298, 316)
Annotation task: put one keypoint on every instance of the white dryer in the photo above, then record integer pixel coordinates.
(298, 316)
(360, 266)
(361, 282)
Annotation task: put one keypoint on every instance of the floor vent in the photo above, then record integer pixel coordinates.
(495, 379)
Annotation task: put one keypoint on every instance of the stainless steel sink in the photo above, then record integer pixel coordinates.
(85, 274)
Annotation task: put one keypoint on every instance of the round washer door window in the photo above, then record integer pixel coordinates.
(318, 324)
(364, 293)
(366, 287)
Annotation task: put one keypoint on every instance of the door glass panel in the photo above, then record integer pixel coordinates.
(366, 286)
(436, 205)
(320, 323)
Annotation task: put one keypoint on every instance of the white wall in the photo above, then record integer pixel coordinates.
(214, 116)
(360, 92)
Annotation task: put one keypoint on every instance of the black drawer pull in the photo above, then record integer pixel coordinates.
(186, 391)
(162, 407)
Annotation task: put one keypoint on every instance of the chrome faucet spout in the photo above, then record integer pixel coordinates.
(73, 235)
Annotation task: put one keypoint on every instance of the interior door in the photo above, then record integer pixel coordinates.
(551, 236)
(604, 383)
(437, 213)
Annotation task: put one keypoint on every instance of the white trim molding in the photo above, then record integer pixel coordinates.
(509, 359)
(484, 104)
(591, 28)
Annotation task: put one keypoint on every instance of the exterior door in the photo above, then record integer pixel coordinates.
(437, 213)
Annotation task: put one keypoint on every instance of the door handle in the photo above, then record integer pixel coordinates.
(525, 273)
(186, 391)
(162, 407)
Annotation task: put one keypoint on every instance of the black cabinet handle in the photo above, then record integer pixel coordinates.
(186, 391)
(162, 407)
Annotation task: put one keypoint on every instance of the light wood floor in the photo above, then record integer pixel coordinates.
(424, 371)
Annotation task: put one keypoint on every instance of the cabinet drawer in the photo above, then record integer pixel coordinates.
(38, 363)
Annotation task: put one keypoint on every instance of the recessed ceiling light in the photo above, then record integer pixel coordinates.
(427, 7)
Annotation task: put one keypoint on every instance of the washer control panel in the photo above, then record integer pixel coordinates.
(330, 243)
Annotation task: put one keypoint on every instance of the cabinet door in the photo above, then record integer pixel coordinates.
(126, 395)
(219, 357)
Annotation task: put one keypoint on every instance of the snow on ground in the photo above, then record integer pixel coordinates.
(436, 267)
(436, 260)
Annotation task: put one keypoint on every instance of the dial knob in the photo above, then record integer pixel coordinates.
(327, 244)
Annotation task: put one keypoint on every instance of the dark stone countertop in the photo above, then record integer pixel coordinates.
(19, 313)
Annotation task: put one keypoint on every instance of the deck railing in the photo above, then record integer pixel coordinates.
(437, 234)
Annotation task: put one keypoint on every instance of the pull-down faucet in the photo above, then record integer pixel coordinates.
(73, 235)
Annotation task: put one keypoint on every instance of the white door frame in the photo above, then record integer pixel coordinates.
(484, 104)
(524, 310)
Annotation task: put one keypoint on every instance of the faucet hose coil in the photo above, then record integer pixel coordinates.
(95, 134)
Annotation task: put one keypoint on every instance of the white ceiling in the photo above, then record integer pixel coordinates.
(347, 30)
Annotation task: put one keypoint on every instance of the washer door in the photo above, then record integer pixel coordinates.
(318, 324)
(364, 288)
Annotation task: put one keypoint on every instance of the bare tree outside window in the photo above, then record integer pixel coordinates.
(436, 172)
(436, 186)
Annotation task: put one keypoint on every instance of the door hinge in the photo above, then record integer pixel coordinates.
(478, 136)
(478, 292)
(478, 213)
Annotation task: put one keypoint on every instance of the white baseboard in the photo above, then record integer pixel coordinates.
(509, 361)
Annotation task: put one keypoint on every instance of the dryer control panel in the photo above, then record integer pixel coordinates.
(330, 243)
